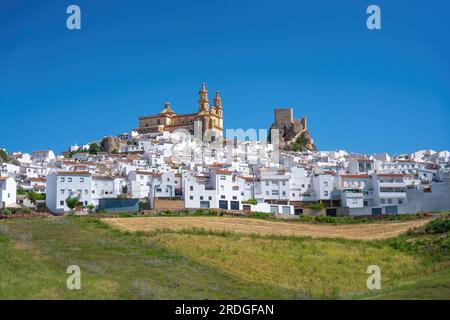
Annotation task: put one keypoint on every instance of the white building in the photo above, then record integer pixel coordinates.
(66, 184)
(389, 190)
(8, 192)
(43, 156)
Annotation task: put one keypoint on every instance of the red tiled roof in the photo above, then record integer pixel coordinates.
(223, 172)
(391, 175)
(355, 176)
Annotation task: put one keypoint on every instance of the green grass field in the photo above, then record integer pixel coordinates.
(198, 264)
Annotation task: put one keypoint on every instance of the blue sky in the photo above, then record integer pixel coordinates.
(363, 91)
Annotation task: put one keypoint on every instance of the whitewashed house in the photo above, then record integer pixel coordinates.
(199, 191)
(104, 187)
(138, 183)
(355, 190)
(43, 156)
(274, 185)
(8, 169)
(66, 184)
(389, 191)
(8, 192)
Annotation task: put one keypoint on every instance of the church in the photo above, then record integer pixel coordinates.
(168, 120)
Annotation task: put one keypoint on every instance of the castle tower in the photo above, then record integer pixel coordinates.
(203, 102)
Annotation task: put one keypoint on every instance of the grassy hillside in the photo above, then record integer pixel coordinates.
(198, 264)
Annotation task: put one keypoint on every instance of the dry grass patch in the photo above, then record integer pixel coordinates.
(370, 231)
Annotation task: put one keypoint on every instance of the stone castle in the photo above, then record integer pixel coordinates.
(168, 120)
(293, 133)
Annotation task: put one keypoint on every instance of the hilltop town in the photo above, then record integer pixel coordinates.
(167, 164)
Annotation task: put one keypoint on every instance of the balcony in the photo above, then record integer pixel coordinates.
(390, 184)
(392, 194)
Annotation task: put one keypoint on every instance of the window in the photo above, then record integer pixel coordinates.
(234, 198)
(293, 194)
(283, 183)
(390, 201)
(191, 188)
(325, 193)
(223, 177)
(354, 201)
(69, 179)
(275, 192)
(86, 191)
(286, 210)
(63, 179)
(325, 183)
(284, 193)
(400, 201)
(209, 198)
(201, 197)
(267, 183)
(62, 191)
(267, 193)
(274, 209)
(61, 203)
(81, 179)
(191, 198)
(383, 201)
(222, 197)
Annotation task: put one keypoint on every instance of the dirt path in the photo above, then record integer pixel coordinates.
(378, 230)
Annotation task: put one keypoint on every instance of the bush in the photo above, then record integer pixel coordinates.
(7, 211)
(25, 210)
(314, 206)
(437, 226)
(251, 201)
(33, 196)
(72, 203)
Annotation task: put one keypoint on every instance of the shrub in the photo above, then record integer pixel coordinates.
(72, 203)
(437, 226)
(251, 201)
(25, 210)
(314, 206)
(33, 196)
(7, 211)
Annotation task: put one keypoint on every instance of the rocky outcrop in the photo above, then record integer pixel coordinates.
(110, 144)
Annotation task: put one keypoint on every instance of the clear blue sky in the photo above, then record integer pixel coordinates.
(363, 91)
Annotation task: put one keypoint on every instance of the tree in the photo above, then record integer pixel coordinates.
(300, 143)
(72, 203)
(34, 196)
(21, 191)
(4, 156)
(94, 148)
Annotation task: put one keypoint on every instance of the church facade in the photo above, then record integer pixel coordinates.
(210, 119)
